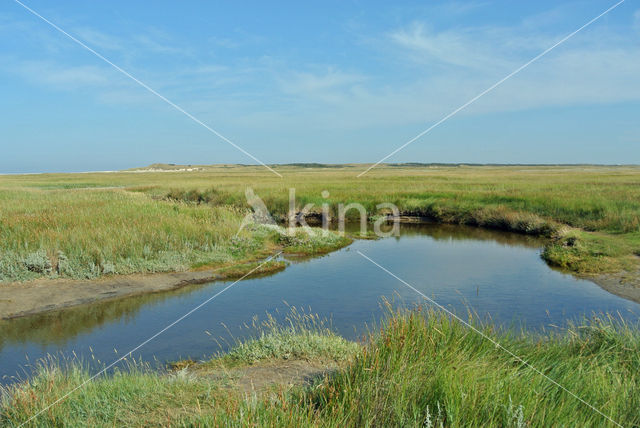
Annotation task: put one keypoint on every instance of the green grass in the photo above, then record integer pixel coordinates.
(305, 242)
(87, 234)
(301, 336)
(438, 369)
(252, 270)
(87, 225)
(585, 252)
(419, 369)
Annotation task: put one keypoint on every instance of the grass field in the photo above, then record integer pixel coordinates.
(90, 224)
(420, 369)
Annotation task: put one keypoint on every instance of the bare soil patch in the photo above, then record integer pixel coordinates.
(264, 376)
(28, 298)
(624, 284)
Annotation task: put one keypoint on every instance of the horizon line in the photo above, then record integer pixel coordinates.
(324, 165)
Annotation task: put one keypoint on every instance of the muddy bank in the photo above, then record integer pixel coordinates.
(623, 284)
(47, 295)
(44, 295)
(21, 299)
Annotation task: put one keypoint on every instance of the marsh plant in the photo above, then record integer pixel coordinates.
(87, 225)
(385, 213)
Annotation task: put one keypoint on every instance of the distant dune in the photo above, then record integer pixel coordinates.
(171, 167)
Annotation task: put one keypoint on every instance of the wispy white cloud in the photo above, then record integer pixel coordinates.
(63, 77)
(99, 40)
(23, 32)
(236, 40)
(441, 69)
(330, 86)
(452, 47)
(59, 66)
(156, 41)
(597, 67)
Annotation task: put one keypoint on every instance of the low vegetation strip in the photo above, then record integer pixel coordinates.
(23, 299)
(420, 369)
(90, 225)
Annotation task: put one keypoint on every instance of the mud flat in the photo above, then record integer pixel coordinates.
(624, 284)
(44, 295)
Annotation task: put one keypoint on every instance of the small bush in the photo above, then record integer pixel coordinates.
(209, 196)
(38, 262)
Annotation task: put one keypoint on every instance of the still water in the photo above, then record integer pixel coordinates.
(493, 274)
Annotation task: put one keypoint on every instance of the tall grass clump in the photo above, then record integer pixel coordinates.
(304, 240)
(92, 233)
(300, 335)
(434, 370)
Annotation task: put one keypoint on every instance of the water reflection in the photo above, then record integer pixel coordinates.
(492, 273)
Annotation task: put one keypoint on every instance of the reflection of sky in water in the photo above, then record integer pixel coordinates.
(490, 273)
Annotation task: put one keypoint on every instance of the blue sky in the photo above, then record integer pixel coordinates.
(317, 82)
